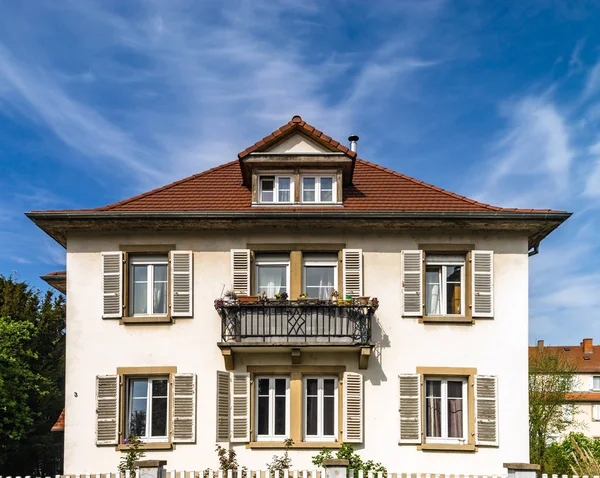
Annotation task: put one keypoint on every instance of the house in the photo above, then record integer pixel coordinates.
(419, 362)
(584, 408)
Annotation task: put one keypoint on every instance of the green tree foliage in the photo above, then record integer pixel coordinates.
(355, 462)
(550, 380)
(32, 349)
(565, 457)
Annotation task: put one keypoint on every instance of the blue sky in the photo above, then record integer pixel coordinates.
(499, 101)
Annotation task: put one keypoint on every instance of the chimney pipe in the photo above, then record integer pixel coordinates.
(353, 139)
(588, 346)
(540, 344)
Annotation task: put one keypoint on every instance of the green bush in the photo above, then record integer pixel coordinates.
(346, 452)
(559, 458)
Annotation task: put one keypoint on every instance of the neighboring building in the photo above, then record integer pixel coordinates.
(585, 357)
(414, 380)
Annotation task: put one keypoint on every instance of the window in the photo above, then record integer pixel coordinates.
(596, 413)
(444, 279)
(567, 413)
(148, 284)
(596, 383)
(272, 408)
(272, 274)
(147, 408)
(320, 408)
(320, 275)
(276, 189)
(446, 410)
(318, 189)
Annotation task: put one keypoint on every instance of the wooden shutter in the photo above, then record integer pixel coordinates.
(410, 408)
(353, 408)
(181, 283)
(482, 272)
(184, 408)
(353, 272)
(112, 285)
(107, 410)
(412, 283)
(486, 410)
(223, 405)
(240, 271)
(240, 422)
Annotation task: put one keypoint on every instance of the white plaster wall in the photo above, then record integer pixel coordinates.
(583, 421)
(494, 346)
(298, 143)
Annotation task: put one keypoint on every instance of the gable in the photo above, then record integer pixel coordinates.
(298, 143)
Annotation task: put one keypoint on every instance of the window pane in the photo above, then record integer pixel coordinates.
(280, 386)
(311, 415)
(284, 190)
(453, 291)
(159, 388)
(326, 183)
(272, 279)
(279, 415)
(263, 386)
(319, 281)
(328, 415)
(267, 188)
(596, 383)
(139, 405)
(263, 415)
(326, 189)
(308, 189)
(433, 417)
(326, 196)
(329, 386)
(432, 299)
(159, 417)
(455, 389)
(312, 386)
(139, 300)
(160, 273)
(159, 302)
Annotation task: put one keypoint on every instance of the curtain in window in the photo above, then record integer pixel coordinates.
(160, 289)
(455, 409)
(432, 294)
(433, 412)
(271, 279)
(319, 281)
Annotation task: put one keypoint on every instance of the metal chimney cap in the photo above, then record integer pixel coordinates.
(353, 138)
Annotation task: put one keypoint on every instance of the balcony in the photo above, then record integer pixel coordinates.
(295, 324)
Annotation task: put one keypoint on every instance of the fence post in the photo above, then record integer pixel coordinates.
(151, 468)
(336, 468)
(521, 470)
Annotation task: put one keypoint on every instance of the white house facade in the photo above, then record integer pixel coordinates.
(298, 292)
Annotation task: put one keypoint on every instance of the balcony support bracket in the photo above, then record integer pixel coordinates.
(363, 359)
(296, 356)
(228, 358)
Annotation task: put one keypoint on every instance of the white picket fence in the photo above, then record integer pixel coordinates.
(317, 473)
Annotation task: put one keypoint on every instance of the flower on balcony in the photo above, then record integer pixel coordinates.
(218, 303)
(303, 295)
(282, 296)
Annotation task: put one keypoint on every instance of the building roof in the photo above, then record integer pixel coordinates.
(56, 279)
(585, 357)
(376, 195)
(59, 426)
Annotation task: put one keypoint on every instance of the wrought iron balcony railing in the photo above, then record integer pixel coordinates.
(311, 321)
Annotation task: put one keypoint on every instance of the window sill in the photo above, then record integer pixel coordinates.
(446, 447)
(446, 319)
(147, 446)
(315, 445)
(150, 319)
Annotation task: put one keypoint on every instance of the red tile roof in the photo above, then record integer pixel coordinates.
(583, 362)
(59, 426)
(374, 188)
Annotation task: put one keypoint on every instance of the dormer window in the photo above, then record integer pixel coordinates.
(318, 189)
(276, 189)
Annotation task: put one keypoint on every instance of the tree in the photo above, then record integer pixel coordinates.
(32, 348)
(551, 377)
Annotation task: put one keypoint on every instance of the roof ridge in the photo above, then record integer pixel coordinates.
(431, 186)
(165, 187)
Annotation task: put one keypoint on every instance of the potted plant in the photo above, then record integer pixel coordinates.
(302, 297)
(364, 300)
(247, 299)
(334, 296)
(282, 296)
(375, 302)
(230, 295)
(349, 299)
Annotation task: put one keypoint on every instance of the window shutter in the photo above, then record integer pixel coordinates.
(353, 408)
(240, 271)
(240, 422)
(353, 273)
(107, 410)
(184, 408)
(483, 283)
(223, 405)
(181, 283)
(412, 283)
(410, 408)
(591, 383)
(112, 285)
(596, 412)
(486, 410)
